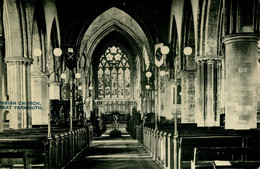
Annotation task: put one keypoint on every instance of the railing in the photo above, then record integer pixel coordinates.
(158, 143)
(64, 147)
(160, 146)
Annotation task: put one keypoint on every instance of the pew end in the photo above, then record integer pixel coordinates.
(226, 157)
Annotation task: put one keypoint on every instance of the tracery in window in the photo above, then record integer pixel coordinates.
(113, 74)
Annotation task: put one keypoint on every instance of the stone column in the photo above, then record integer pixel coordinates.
(170, 152)
(210, 93)
(54, 90)
(188, 97)
(2, 72)
(207, 91)
(191, 96)
(151, 95)
(19, 90)
(241, 81)
(201, 106)
(199, 97)
(39, 94)
(219, 101)
(184, 110)
(148, 101)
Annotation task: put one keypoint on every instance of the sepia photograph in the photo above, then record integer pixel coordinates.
(129, 84)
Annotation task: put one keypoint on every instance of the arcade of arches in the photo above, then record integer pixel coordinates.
(107, 48)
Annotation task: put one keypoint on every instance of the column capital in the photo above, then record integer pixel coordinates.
(18, 60)
(55, 83)
(212, 58)
(210, 61)
(234, 38)
(165, 134)
(38, 74)
(186, 72)
(219, 62)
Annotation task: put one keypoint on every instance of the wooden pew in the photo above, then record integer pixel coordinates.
(25, 156)
(188, 143)
(191, 136)
(226, 157)
(30, 151)
(33, 148)
(21, 155)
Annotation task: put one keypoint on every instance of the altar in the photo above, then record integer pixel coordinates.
(122, 106)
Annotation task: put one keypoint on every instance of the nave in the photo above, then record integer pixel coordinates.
(138, 146)
(115, 153)
(182, 74)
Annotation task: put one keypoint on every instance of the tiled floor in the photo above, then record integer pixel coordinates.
(120, 153)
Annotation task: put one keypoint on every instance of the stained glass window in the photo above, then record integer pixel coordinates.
(100, 83)
(113, 74)
(120, 83)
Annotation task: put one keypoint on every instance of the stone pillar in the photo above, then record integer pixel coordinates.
(151, 95)
(165, 163)
(39, 94)
(170, 152)
(55, 90)
(19, 90)
(148, 101)
(188, 97)
(2, 72)
(208, 81)
(199, 97)
(241, 81)
(210, 93)
(184, 91)
(220, 81)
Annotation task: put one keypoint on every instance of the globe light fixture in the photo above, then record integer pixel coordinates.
(165, 50)
(147, 87)
(63, 76)
(37, 52)
(57, 52)
(79, 87)
(78, 75)
(162, 73)
(90, 88)
(187, 51)
(148, 74)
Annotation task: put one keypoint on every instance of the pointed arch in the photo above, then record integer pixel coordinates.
(120, 22)
(175, 46)
(39, 34)
(38, 80)
(53, 44)
(13, 34)
(188, 36)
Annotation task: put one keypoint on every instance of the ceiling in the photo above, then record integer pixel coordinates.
(75, 17)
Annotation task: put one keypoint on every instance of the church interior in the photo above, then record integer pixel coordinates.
(181, 77)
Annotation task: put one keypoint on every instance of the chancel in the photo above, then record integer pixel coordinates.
(129, 84)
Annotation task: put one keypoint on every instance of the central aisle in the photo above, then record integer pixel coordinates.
(115, 153)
